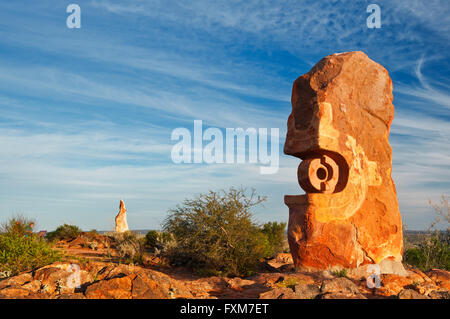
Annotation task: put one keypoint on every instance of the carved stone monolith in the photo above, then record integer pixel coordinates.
(121, 219)
(339, 126)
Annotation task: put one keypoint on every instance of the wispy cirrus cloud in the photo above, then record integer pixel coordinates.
(426, 92)
(86, 114)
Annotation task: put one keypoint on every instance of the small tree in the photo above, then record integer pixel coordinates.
(129, 247)
(216, 234)
(442, 210)
(18, 225)
(151, 239)
(275, 236)
(159, 242)
(433, 251)
(21, 249)
(64, 232)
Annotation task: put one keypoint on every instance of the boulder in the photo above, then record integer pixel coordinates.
(441, 277)
(33, 286)
(146, 288)
(14, 292)
(51, 279)
(306, 291)
(116, 288)
(278, 293)
(339, 286)
(410, 294)
(342, 296)
(393, 284)
(416, 275)
(18, 280)
(77, 242)
(237, 283)
(389, 266)
(62, 278)
(438, 294)
(339, 127)
(425, 288)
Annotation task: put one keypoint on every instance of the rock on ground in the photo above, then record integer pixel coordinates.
(99, 280)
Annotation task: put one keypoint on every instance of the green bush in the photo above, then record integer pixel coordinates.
(22, 250)
(275, 236)
(64, 232)
(432, 249)
(432, 252)
(415, 257)
(288, 282)
(215, 233)
(341, 273)
(159, 242)
(151, 239)
(129, 247)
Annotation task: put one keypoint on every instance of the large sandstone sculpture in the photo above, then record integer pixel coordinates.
(121, 219)
(339, 126)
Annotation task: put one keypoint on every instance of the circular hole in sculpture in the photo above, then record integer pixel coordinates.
(321, 173)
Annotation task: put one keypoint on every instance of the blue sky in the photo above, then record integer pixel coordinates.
(86, 114)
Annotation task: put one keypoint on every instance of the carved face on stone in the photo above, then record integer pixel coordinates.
(339, 127)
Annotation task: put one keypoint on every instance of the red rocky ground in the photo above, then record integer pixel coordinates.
(102, 277)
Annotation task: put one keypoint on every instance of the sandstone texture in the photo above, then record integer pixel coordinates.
(121, 219)
(410, 294)
(442, 277)
(339, 127)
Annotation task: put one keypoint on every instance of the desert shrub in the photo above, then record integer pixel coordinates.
(215, 233)
(18, 225)
(63, 232)
(415, 257)
(275, 237)
(159, 242)
(341, 272)
(433, 251)
(442, 210)
(433, 247)
(21, 249)
(151, 239)
(92, 245)
(129, 247)
(288, 282)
